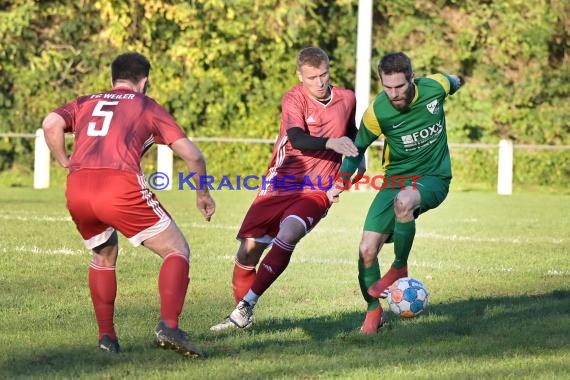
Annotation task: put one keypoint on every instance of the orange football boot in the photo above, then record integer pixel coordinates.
(378, 289)
(373, 321)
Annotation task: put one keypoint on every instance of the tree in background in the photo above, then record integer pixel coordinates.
(221, 66)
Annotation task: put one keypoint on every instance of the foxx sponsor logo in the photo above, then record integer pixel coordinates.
(419, 138)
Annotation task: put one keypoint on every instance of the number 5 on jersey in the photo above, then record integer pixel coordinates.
(106, 115)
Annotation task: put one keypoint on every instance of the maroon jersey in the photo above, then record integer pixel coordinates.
(292, 170)
(114, 129)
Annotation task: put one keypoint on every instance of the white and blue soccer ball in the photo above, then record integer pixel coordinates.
(407, 297)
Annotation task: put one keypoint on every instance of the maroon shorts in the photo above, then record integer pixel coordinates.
(266, 213)
(101, 201)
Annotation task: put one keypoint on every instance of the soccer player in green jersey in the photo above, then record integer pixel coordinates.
(409, 114)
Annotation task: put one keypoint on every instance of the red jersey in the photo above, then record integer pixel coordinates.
(114, 129)
(292, 170)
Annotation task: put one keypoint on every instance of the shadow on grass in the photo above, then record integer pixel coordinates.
(483, 328)
(490, 325)
(85, 361)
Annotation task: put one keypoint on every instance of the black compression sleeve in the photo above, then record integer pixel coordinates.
(303, 141)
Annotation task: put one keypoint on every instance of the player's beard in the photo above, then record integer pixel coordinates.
(403, 107)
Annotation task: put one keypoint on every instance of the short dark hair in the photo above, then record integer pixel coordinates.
(397, 62)
(130, 66)
(312, 56)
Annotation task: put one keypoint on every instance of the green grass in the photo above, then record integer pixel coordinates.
(497, 268)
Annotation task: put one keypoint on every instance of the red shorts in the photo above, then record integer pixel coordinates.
(266, 213)
(101, 201)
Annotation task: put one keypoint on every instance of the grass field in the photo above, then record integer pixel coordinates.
(497, 268)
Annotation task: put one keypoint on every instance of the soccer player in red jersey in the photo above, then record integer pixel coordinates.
(317, 128)
(106, 192)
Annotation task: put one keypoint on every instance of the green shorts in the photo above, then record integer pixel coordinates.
(381, 216)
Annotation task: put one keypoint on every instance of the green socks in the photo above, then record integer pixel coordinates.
(367, 277)
(403, 239)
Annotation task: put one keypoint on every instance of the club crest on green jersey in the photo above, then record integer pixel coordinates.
(433, 107)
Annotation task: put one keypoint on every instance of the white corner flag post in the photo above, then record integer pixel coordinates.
(41, 161)
(363, 58)
(164, 161)
(505, 174)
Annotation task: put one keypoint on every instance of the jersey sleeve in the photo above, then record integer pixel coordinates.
(291, 111)
(67, 112)
(447, 82)
(368, 133)
(455, 83)
(165, 130)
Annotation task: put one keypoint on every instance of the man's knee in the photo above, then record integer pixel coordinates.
(249, 252)
(370, 245)
(242, 257)
(405, 203)
(168, 241)
(291, 230)
(368, 252)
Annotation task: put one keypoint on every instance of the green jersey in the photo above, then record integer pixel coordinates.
(415, 140)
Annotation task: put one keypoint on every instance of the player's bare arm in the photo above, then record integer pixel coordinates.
(54, 132)
(195, 162)
(206, 204)
(342, 145)
(334, 192)
(343, 183)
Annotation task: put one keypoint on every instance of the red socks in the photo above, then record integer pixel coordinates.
(274, 263)
(103, 288)
(172, 286)
(242, 280)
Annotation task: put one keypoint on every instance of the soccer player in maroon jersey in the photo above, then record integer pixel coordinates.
(106, 192)
(317, 128)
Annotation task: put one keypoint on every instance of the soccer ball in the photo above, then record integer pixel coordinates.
(407, 297)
